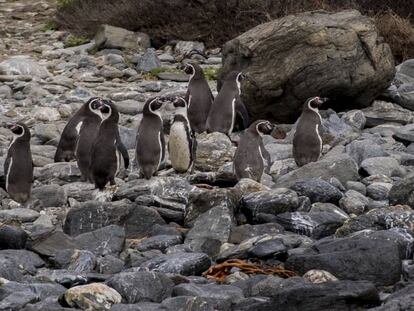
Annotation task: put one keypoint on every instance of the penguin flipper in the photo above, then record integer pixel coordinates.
(122, 149)
(266, 156)
(162, 139)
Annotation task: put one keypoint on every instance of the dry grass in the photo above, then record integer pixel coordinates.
(216, 21)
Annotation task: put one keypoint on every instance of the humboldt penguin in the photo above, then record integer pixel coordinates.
(181, 143)
(66, 149)
(251, 157)
(87, 132)
(307, 141)
(198, 97)
(106, 151)
(18, 167)
(227, 106)
(150, 143)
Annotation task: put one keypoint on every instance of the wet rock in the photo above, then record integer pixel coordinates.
(23, 65)
(220, 296)
(212, 226)
(75, 260)
(354, 202)
(402, 192)
(50, 195)
(95, 296)
(52, 243)
(63, 277)
(109, 265)
(340, 166)
(213, 150)
(115, 37)
(244, 232)
(402, 299)
(25, 261)
(273, 248)
(339, 256)
(148, 61)
(382, 112)
(317, 190)
(314, 224)
(264, 205)
(141, 286)
(58, 173)
(12, 237)
(179, 263)
(381, 166)
(160, 242)
(19, 214)
(106, 240)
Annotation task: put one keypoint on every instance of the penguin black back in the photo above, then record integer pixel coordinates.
(251, 157)
(150, 143)
(105, 158)
(66, 148)
(227, 105)
(18, 167)
(198, 97)
(307, 141)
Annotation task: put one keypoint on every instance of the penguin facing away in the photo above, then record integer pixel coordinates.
(18, 167)
(227, 105)
(251, 157)
(198, 97)
(87, 132)
(181, 143)
(307, 141)
(105, 160)
(66, 149)
(150, 143)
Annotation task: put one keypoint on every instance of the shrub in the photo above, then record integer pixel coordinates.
(72, 40)
(215, 21)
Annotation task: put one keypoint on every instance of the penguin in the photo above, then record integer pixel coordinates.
(18, 167)
(65, 151)
(87, 131)
(198, 97)
(106, 151)
(227, 106)
(181, 143)
(307, 141)
(251, 157)
(150, 142)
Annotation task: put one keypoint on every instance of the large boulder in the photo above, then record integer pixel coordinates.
(338, 55)
(114, 37)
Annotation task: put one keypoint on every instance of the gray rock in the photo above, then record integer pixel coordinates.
(282, 167)
(110, 72)
(160, 242)
(115, 37)
(336, 130)
(183, 48)
(213, 150)
(265, 205)
(212, 226)
(355, 118)
(142, 306)
(402, 192)
(171, 76)
(313, 224)
(220, 296)
(142, 286)
(340, 166)
(361, 150)
(58, 173)
(19, 214)
(109, 265)
(187, 303)
(405, 134)
(244, 232)
(23, 65)
(75, 260)
(402, 299)
(379, 191)
(130, 107)
(148, 61)
(339, 256)
(106, 240)
(280, 92)
(317, 190)
(357, 186)
(113, 59)
(179, 263)
(354, 202)
(381, 166)
(12, 237)
(273, 248)
(50, 195)
(383, 112)
(5, 91)
(63, 277)
(279, 152)
(53, 243)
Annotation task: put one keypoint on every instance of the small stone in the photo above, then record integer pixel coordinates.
(319, 276)
(148, 61)
(184, 48)
(19, 214)
(379, 191)
(46, 114)
(353, 202)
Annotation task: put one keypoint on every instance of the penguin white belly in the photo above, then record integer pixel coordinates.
(8, 174)
(233, 116)
(179, 148)
(320, 139)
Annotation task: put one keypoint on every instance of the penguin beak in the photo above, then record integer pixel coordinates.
(10, 126)
(322, 100)
(180, 66)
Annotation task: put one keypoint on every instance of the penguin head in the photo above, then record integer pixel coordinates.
(192, 69)
(180, 105)
(94, 105)
(108, 110)
(314, 103)
(263, 127)
(19, 130)
(153, 106)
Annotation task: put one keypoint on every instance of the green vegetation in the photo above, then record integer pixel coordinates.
(65, 3)
(72, 40)
(50, 25)
(153, 74)
(211, 73)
